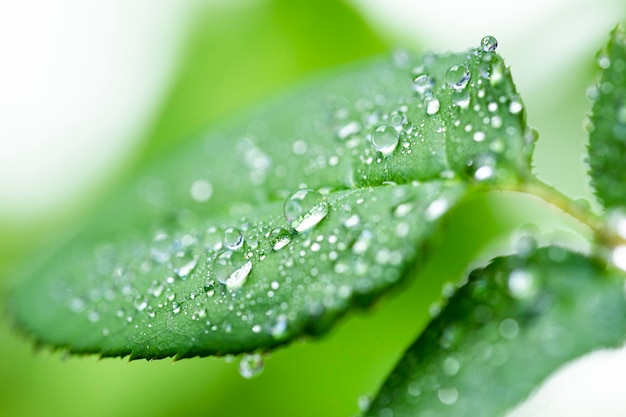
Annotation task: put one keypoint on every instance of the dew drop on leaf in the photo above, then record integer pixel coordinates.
(251, 365)
(488, 43)
(201, 190)
(279, 238)
(305, 208)
(232, 238)
(457, 77)
(479, 136)
(231, 269)
(522, 283)
(385, 139)
(432, 105)
(515, 106)
(423, 85)
(161, 248)
(448, 396)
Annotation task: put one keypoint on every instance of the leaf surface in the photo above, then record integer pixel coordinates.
(607, 139)
(513, 324)
(274, 224)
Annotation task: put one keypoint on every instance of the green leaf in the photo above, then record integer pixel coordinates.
(607, 138)
(513, 324)
(196, 257)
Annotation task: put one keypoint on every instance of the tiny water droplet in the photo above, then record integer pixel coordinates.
(515, 106)
(232, 238)
(385, 139)
(483, 167)
(457, 77)
(432, 105)
(522, 283)
(509, 328)
(423, 85)
(363, 242)
(488, 43)
(621, 114)
(448, 396)
(451, 366)
(604, 61)
(479, 136)
(251, 365)
(304, 209)
(201, 190)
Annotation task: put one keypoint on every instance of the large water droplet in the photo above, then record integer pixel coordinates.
(483, 167)
(458, 76)
(488, 43)
(385, 139)
(251, 365)
(232, 238)
(304, 209)
(184, 263)
(231, 269)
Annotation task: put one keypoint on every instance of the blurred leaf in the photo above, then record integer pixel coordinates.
(513, 324)
(255, 234)
(233, 57)
(607, 140)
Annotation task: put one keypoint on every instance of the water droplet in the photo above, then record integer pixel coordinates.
(352, 221)
(509, 328)
(621, 114)
(436, 209)
(232, 238)
(364, 402)
(385, 139)
(461, 98)
(279, 238)
(348, 129)
(515, 106)
(279, 329)
(363, 242)
(603, 61)
(488, 43)
(184, 263)
(457, 77)
(231, 269)
(251, 365)
(483, 167)
(448, 396)
(304, 209)
(432, 105)
(201, 190)
(522, 283)
(451, 366)
(397, 119)
(618, 257)
(423, 85)
(479, 136)
(161, 248)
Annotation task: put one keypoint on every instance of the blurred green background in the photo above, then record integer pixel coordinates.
(231, 55)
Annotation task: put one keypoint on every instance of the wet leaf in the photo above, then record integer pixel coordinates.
(514, 323)
(607, 139)
(276, 223)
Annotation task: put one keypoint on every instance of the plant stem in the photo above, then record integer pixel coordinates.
(534, 186)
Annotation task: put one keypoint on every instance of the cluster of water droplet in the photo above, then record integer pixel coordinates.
(303, 264)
